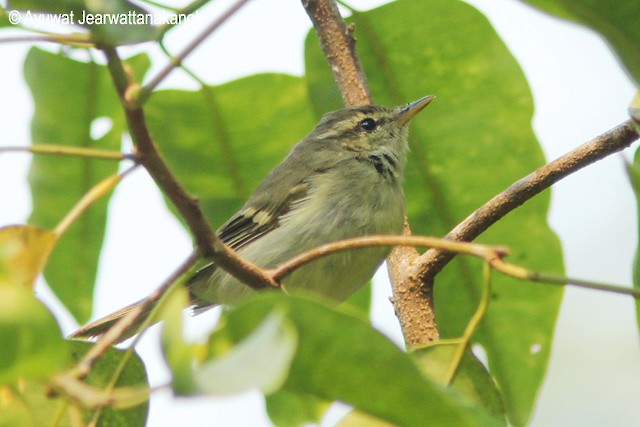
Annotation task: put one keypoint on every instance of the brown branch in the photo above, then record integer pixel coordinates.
(413, 301)
(432, 261)
(208, 244)
(339, 47)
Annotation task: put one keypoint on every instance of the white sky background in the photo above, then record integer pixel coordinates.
(580, 92)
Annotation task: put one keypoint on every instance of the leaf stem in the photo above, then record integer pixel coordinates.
(75, 40)
(553, 279)
(68, 150)
(472, 326)
(96, 192)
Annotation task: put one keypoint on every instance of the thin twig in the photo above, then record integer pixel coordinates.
(618, 138)
(552, 279)
(486, 252)
(177, 60)
(186, 10)
(207, 242)
(114, 333)
(68, 150)
(492, 255)
(96, 192)
(74, 40)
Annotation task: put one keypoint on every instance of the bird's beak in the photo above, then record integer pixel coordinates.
(414, 108)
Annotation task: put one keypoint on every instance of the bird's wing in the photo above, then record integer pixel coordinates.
(258, 217)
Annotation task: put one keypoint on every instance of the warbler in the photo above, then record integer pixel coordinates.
(343, 180)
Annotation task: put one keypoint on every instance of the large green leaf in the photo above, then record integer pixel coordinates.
(470, 144)
(340, 357)
(222, 141)
(616, 21)
(69, 97)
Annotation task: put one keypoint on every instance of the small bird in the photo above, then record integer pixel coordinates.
(343, 180)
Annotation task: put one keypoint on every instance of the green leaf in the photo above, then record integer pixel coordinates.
(617, 23)
(4, 18)
(360, 301)
(30, 339)
(340, 357)
(222, 141)
(288, 409)
(111, 22)
(469, 145)
(69, 97)
(633, 170)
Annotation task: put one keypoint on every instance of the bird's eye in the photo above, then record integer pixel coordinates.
(368, 124)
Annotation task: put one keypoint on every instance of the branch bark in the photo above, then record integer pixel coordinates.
(339, 47)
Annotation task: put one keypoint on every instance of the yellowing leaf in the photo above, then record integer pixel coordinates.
(24, 251)
(356, 418)
(634, 110)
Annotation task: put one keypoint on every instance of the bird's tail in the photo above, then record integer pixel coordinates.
(101, 326)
